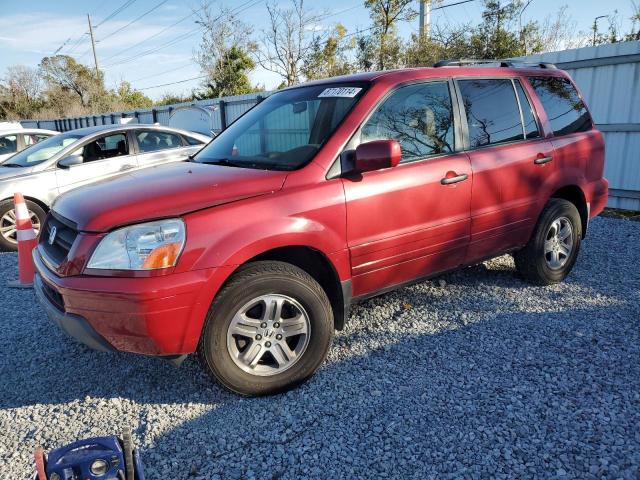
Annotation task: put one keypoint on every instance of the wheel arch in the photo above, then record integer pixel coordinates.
(320, 267)
(575, 195)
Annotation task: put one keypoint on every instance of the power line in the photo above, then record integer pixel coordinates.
(122, 7)
(134, 20)
(240, 8)
(163, 72)
(173, 83)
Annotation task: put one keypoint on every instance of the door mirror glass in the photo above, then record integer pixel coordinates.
(70, 161)
(377, 155)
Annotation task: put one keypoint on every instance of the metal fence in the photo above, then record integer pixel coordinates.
(608, 76)
(229, 108)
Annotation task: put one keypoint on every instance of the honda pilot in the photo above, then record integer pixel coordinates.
(322, 195)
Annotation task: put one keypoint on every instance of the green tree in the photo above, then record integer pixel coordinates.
(131, 97)
(385, 44)
(62, 72)
(494, 37)
(21, 93)
(230, 74)
(224, 54)
(329, 58)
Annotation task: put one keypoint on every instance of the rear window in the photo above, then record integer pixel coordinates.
(565, 110)
(492, 111)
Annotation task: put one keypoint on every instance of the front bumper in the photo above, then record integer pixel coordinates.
(161, 315)
(74, 325)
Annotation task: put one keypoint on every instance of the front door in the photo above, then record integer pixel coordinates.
(510, 163)
(102, 158)
(404, 222)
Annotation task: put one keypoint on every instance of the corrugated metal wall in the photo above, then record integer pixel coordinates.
(609, 78)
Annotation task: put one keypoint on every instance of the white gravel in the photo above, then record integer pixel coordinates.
(472, 375)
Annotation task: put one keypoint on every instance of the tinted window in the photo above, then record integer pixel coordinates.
(419, 117)
(530, 124)
(8, 144)
(492, 111)
(151, 141)
(106, 147)
(565, 111)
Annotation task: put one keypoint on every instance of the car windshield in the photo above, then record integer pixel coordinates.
(42, 151)
(286, 130)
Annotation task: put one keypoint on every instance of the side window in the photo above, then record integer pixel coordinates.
(33, 138)
(565, 110)
(530, 124)
(106, 147)
(151, 141)
(8, 144)
(492, 111)
(193, 141)
(419, 117)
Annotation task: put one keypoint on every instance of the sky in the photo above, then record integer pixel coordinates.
(156, 50)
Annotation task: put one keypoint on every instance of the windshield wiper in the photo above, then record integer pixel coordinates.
(13, 165)
(224, 161)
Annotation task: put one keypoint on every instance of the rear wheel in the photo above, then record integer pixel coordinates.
(553, 248)
(8, 231)
(268, 329)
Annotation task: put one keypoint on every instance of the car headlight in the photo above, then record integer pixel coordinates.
(146, 246)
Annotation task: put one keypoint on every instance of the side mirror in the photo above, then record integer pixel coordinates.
(70, 161)
(377, 155)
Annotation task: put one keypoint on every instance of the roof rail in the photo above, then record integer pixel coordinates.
(508, 63)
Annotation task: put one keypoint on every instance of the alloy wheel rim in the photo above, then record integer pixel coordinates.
(268, 334)
(558, 243)
(8, 228)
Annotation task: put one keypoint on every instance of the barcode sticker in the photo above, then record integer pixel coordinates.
(344, 92)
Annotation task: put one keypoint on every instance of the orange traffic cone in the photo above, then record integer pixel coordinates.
(27, 241)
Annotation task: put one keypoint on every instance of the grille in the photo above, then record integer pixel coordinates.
(65, 236)
(54, 297)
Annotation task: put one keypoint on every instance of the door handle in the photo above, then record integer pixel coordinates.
(126, 167)
(454, 179)
(542, 160)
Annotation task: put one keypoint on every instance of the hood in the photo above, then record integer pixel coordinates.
(164, 191)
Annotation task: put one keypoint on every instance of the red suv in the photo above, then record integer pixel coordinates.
(322, 195)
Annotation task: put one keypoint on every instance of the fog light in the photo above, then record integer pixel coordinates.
(99, 467)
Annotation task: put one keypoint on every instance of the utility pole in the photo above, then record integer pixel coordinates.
(93, 45)
(595, 28)
(425, 18)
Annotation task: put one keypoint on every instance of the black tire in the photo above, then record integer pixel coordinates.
(250, 282)
(531, 261)
(127, 449)
(5, 206)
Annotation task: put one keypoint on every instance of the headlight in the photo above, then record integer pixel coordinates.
(146, 246)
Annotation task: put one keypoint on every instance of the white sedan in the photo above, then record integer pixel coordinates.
(14, 138)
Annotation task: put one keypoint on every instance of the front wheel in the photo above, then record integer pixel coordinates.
(553, 248)
(8, 230)
(268, 329)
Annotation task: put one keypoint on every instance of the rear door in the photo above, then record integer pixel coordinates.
(403, 223)
(510, 161)
(156, 147)
(104, 157)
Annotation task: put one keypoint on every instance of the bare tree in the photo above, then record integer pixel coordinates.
(385, 15)
(289, 38)
(224, 50)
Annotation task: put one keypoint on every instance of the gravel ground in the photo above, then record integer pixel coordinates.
(472, 375)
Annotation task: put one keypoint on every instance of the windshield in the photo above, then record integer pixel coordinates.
(286, 130)
(42, 151)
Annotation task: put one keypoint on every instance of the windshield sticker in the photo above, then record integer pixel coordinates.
(343, 92)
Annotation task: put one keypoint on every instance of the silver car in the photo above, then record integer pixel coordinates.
(78, 157)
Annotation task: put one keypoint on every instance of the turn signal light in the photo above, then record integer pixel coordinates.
(162, 257)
